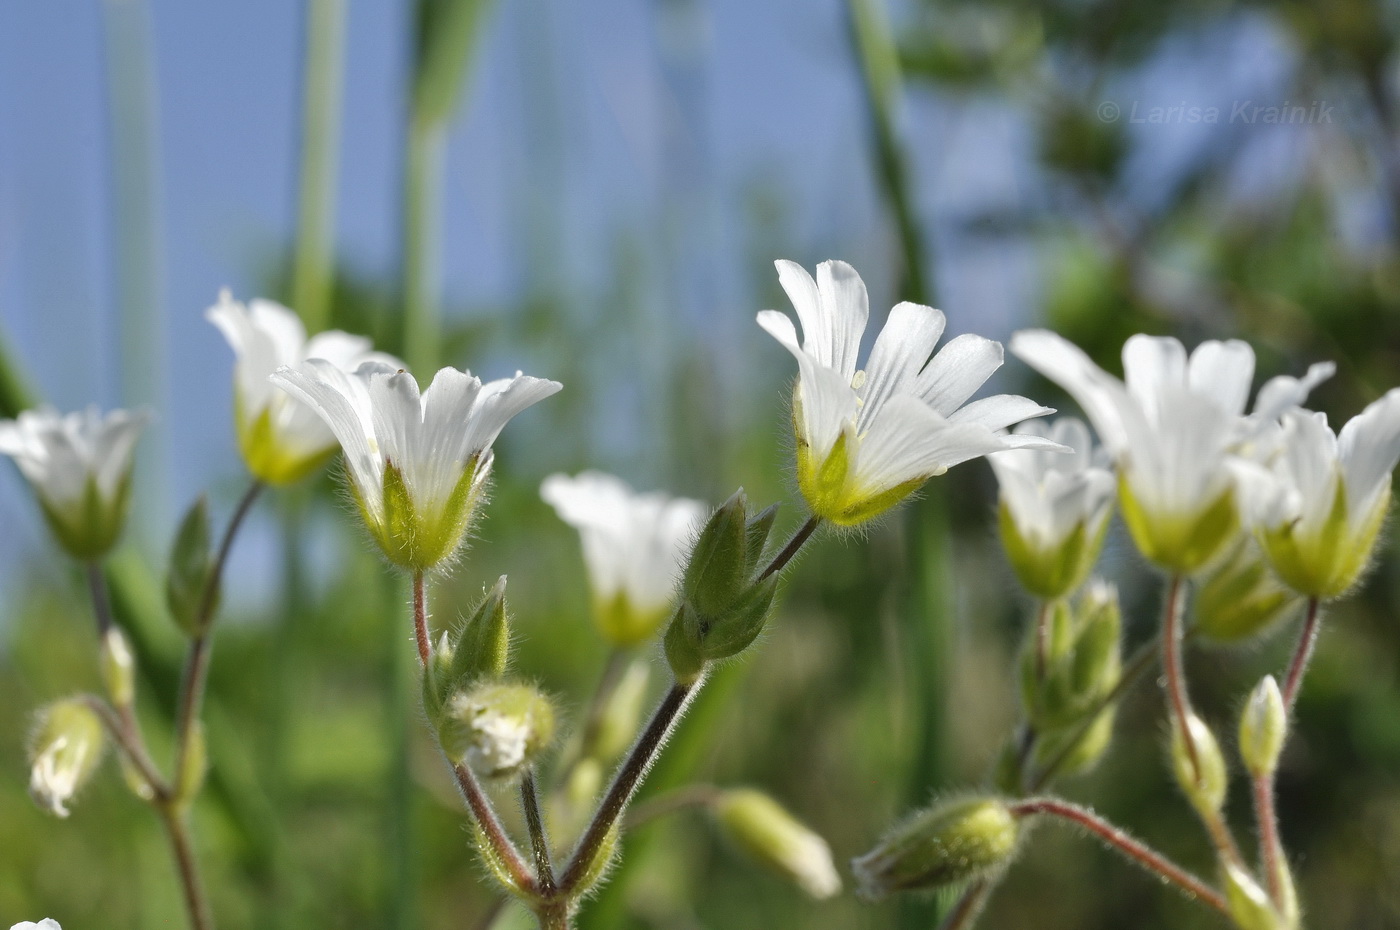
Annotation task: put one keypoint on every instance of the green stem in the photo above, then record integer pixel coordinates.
(969, 906)
(624, 785)
(1133, 849)
(539, 843)
(178, 829)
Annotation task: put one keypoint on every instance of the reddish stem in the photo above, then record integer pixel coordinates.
(420, 620)
(1302, 654)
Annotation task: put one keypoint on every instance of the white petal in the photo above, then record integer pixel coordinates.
(827, 400)
(900, 351)
(1310, 463)
(1369, 447)
(1000, 411)
(1151, 365)
(341, 399)
(397, 417)
(845, 311)
(1102, 396)
(1223, 371)
(501, 400)
(112, 451)
(1284, 392)
(443, 444)
(957, 371)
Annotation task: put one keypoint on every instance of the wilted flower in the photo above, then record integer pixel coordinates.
(1319, 504)
(1172, 429)
(867, 439)
(80, 467)
(282, 440)
(417, 464)
(765, 830)
(1054, 506)
(65, 749)
(497, 728)
(634, 546)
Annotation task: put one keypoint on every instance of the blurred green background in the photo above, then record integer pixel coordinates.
(596, 195)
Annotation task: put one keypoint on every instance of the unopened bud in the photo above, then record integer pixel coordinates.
(1064, 682)
(191, 572)
(497, 728)
(1263, 728)
(1239, 597)
(718, 566)
(762, 828)
(479, 651)
(1250, 907)
(118, 668)
(1200, 768)
(1087, 748)
(946, 844)
(64, 752)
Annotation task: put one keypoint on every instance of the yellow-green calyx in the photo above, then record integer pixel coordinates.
(268, 456)
(65, 751)
(831, 492)
(1180, 543)
(1199, 767)
(1054, 570)
(623, 624)
(89, 527)
(1326, 562)
(420, 538)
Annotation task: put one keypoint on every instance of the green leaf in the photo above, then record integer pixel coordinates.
(191, 572)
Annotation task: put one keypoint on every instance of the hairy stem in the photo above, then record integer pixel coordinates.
(480, 806)
(629, 776)
(1271, 855)
(539, 843)
(178, 829)
(794, 545)
(1302, 655)
(1122, 842)
(420, 622)
(1177, 698)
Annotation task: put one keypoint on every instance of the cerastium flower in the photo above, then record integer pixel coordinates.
(282, 440)
(868, 438)
(80, 467)
(417, 463)
(634, 547)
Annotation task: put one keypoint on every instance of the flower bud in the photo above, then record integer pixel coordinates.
(762, 828)
(64, 752)
(1263, 728)
(945, 844)
(497, 728)
(723, 606)
(1081, 662)
(1089, 746)
(479, 651)
(1052, 569)
(1250, 907)
(1324, 560)
(191, 570)
(118, 668)
(1239, 597)
(1202, 775)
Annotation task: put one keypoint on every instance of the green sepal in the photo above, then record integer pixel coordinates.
(756, 536)
(1055, 572)
(497, 868)
(482, 648)
(267, 458)
(1249, 904)
(717, 569)
(1089, 747)
(1180, 545)
(419, 540)
(944, 845)
(1326, 564)
(726, 636)
(90, 530)
(682, 654)
(191, 572)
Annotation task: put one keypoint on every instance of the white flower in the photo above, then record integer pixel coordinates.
(634, 546)
(1054, 507)
(1173, 429)
(867, 439)
(47, 923)
(282, 440)
(417, 463)
(1318, 505)
(80, 467)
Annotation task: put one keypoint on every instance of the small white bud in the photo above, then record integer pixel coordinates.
(1263, 728)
